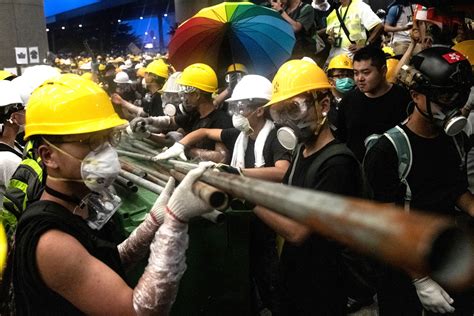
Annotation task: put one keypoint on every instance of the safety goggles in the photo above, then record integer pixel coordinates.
(293, 110)
(169, 97)
(242, 107)
(449, 97)
(96, 141)
(233, 76)
(186, 89)
(11, 108)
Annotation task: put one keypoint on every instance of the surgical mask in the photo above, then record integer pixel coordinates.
(241, 123)
(450, 121)
(344, 85)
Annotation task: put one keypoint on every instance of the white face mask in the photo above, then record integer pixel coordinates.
(100, 169)
(241, 123)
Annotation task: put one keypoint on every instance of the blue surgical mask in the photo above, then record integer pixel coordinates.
(344, 85)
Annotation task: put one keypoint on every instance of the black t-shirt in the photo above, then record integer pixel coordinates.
(437, 176)
(312, 273)
(32, 296)
(272, 150)
(153, 107)
(216, 119)
(360, 116)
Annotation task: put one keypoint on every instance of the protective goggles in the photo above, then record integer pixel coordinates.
(451, 98)
(186, 89)
(233, 76)
(293, 110)
(169, 97)
(96, 141)
(243, 107)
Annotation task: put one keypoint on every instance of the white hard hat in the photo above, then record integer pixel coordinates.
(86, 66)
(122, 77)
(252, 87)
(138, 66)
(32, 78)
(171, 85)
(9, 94)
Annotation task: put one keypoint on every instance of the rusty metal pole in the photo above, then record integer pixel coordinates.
(217, 198)
(416, 242)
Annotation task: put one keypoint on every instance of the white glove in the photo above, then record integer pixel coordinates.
(137, 128)
(433, 297)
(136, 246)
(160, 121)
(183, 204)
(177, 150)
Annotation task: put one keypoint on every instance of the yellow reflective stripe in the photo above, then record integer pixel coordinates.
(35, 166)
(22, 186)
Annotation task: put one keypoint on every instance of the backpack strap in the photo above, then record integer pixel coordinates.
(295, 162)
(5, 147)
(401, 143)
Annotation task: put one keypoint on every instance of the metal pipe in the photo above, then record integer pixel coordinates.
(416, 242)
(132, 188)
(215, 198)
(145, 148)
(155, 188)
(156, 180)
(214, 216)
(133, 169)
(134, 155)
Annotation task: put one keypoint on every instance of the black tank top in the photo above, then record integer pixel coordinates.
(32, 296)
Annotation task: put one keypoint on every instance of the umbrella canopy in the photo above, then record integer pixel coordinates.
(233, 32)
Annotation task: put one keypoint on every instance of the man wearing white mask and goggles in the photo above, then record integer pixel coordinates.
(311, 267)
(62, 245)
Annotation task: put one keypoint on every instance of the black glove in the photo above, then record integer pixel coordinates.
(229, 169)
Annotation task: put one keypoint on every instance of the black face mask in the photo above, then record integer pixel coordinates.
(449, 120)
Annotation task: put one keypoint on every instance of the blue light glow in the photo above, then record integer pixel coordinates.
(52, 7)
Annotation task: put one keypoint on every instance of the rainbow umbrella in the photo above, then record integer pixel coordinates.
(233, 32)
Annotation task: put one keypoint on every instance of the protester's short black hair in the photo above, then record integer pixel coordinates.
(374, 54)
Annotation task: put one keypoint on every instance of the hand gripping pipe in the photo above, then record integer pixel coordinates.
(416, 242)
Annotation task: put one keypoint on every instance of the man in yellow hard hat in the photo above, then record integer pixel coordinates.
(64, 260)
(341, 75)
(311, 267)
(197, 84)
(156, 74)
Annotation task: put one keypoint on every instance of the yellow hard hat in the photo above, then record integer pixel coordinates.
(101, 67)
(3, 249)
(237, 67)
(341, 61)
(391, 65)
(5, 74)
(69, 105)
(141, 72)
(159, 68)
(87, 75)
(119, 60)
(467, 49)
(200, 76)
(388, 51)
(295, 77)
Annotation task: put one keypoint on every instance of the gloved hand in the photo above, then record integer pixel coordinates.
(136, 246)
(432, 296)
(177, 150)
(183, 204)
(137, 127)
(176, 136)
(229, 169)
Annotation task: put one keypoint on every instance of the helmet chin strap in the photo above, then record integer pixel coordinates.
(428, 115)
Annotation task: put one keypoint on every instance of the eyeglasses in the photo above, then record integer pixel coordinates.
(96, 142)
(243, 107)
(291, 110)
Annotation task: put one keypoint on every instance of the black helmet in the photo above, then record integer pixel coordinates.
(447, 76)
